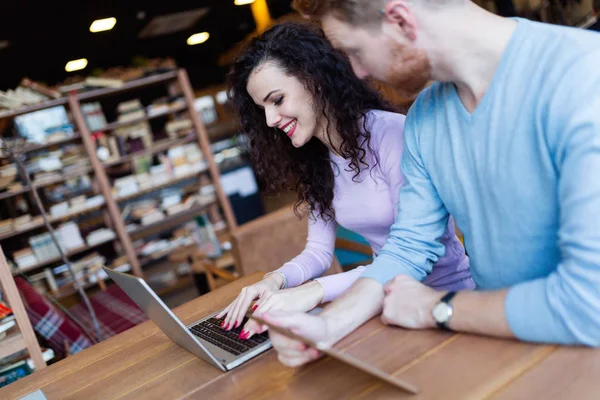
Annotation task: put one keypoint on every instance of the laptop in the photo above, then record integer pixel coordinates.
(204, 338)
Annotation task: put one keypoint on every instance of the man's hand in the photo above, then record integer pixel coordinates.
(353, 308)
(408, 303)
(294, 353)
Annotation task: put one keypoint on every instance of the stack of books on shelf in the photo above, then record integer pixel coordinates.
(179, 162)
(8, 174)
(75, 205)
(17, 365)
(51, 165)
(99, 236)
(7, 319)
(27, 93)
(137, 136)
(94, 116)
(20, 223)
(164, 105)
(25, 258)
(42, 247)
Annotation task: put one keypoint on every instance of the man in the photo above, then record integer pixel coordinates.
(508, 142)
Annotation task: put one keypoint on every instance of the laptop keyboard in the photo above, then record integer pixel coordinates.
(211, 331)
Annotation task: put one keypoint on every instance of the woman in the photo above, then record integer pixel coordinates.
(308, 117)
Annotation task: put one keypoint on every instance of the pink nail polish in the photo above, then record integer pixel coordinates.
(243, 335)
(226, 326)
(222, 324)
(237, 323)
(255, 307)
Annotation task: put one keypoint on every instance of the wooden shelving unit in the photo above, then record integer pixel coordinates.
(101, 171)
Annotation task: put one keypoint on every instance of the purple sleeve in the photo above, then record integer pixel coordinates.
(334, 285)
(316, 257)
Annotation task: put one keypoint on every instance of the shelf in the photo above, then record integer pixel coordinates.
(36, 107)
(119, 124)
(48, 182)
(159, 146)
(93, 94)
(38, 147)
(30, 227)
(12, 193)
(63, 178)
(169, 222)
(161, 186)
(55, 259)
(134, 84)
(160, 254)
(12, 343)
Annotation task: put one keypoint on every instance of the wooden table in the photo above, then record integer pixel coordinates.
(142, 363)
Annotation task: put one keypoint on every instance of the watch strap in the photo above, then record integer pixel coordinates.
(446, 299)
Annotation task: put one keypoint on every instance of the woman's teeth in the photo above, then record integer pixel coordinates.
(289, 127)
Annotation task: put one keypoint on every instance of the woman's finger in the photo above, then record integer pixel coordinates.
(224, 311)
(241, 308)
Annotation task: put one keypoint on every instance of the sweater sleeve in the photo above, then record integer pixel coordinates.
(413, 245)
(564, 307)
(316, 257)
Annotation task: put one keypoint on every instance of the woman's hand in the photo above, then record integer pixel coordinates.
(236, 311)
(299, 299)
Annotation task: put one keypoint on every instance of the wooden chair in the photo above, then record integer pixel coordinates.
(216, 275)
(355, 247)
(270, 241)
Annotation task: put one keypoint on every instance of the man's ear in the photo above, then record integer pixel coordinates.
(400, 19)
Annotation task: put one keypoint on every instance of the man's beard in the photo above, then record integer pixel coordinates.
(409, 70)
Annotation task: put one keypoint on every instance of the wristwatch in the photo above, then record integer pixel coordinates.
(442, 311)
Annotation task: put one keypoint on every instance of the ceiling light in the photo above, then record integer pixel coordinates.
(105, 24)
(242, 2)
(198, 38)
(76, 65)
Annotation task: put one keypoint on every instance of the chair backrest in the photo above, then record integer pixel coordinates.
(270, 241)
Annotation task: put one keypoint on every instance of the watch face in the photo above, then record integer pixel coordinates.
(442, 312)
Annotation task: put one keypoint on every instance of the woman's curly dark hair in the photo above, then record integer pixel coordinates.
(303, 52)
